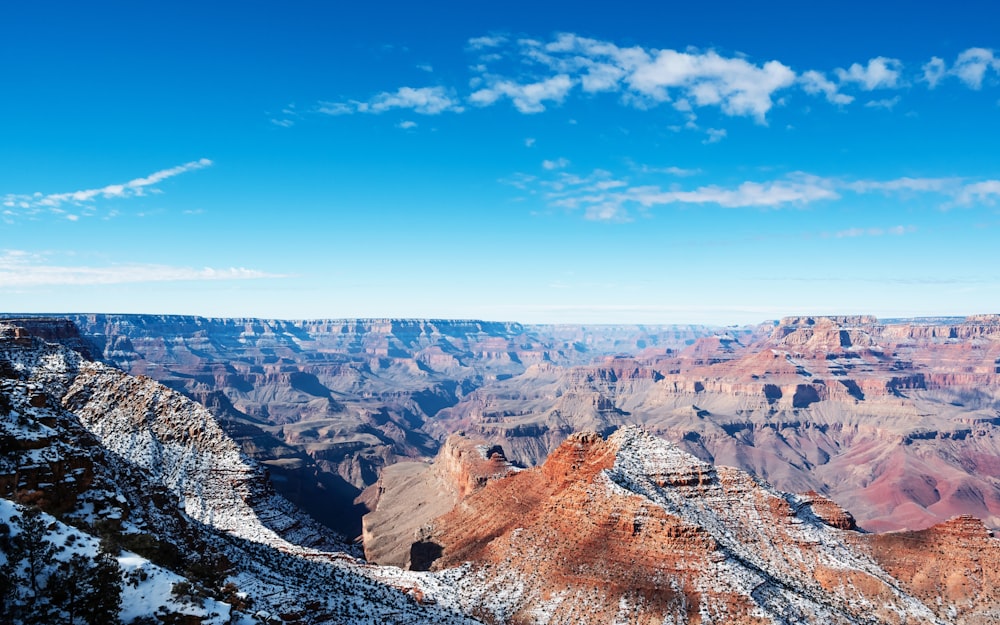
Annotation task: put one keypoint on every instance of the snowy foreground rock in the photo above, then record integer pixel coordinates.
(627, 530)
(137, 465)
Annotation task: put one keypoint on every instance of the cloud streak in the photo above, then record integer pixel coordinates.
(14, 204)
(24, 269)
(600, 196)
(422, 100)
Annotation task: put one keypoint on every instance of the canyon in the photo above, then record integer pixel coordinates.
(621, 526)
(895, 420)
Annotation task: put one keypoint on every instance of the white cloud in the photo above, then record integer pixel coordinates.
(971, 66)
(906, 184)
(422, 100)
(986, 192)
(735, 85)
(714, 135)
(529, 142)
(559, 163)
(479, 43)
(671, 170)
(284, 123)
(85, 198)
(887, 103)
(339, 108)
(880, 73)
(771, 194)
(814, 83)
(407, 124)
(873, 232)
(601, 195)
(647, 77)
(934, 71)
(534, 74)
(19, 268)
(527, 98)
(426, 67)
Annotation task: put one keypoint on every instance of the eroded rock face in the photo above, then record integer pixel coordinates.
(409, 495)
(327, 404)
(953, 567)
(149, 470)
(632, 528)
(897, 422)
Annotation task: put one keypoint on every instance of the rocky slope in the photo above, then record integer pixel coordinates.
(326, 404)
(149, 471)
(896, 421)
(629, 529)
(632, 529)
(409, 495)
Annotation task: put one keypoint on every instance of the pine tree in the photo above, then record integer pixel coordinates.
(38, 589)
(31, 604)
(88, 589)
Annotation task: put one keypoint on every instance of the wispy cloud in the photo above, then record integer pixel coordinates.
(287, 117)
(559, 163)
(600, 195)
(14, 204)
(19, 268)
(879, 73)
(680, 172)
(527, 98)
(886, 103)
(972, 66)
(815, 82)
(986, 192)
(422, 100)
(851, 233)
(479, 43)
(715, 135)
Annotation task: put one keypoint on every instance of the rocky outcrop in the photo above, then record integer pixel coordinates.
(867, 413)
(410, 495)
(953, 567)
(348, 397)
(632, 528)
(145, 469)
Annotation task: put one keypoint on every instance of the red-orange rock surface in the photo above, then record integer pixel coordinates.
(953, 567)
(897, 422)
(409, 495)
(632, 529)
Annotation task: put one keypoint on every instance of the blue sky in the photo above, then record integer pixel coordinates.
(721, 163)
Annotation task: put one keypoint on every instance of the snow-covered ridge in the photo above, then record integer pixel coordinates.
(770, 544)
(159, 470)
(180, 444)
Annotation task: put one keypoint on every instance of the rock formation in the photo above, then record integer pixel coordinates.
(632, 529)
(410, 495)
(326, 404)
(624, 529)
(896, 422)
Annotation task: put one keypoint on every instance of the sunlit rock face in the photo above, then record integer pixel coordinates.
(633, 529)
